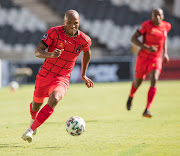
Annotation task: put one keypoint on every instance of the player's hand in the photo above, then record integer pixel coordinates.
(166, 58)
(88, 82)
(151, 48)
(56, 53)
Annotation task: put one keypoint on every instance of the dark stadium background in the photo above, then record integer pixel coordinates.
(110, 24)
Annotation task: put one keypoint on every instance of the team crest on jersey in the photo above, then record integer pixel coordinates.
(61, 44)
(78, 49)
(44, 36)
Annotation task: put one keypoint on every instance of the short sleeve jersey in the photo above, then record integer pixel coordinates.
(63, 65)
(153, 35)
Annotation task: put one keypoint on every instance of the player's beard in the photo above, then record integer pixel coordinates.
(73, 31)
(157, 22)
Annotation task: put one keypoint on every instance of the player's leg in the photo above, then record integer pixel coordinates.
(140, 71)
(34, 108)
(43, 114)
(154, 76)
(56, 94)
(39, 96)
(135, 85)
(47, 110)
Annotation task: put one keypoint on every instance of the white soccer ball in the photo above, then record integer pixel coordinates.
(75, 126)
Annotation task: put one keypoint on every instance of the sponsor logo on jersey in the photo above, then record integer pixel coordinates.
(61, 44)
(156, 31)
(44, 36)
(78, 49)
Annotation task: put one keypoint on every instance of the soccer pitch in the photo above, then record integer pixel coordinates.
(111, 130)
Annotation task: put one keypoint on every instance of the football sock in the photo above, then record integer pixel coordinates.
(33, 113)
(44, 113)
(133, 90)
(151, 94)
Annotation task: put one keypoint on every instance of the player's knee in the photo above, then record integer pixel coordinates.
(154, 81)
(137, 82)
(35, 106)
(155, 78)
(54, 98)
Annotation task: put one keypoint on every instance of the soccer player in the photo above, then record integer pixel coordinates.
(64, 44)
(150, 57)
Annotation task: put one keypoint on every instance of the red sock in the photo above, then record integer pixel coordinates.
(133, 90)
(33, 113)
(151, 94)
(44, 113)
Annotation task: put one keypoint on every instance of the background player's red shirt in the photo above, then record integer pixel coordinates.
(154, 35)
(63, 65)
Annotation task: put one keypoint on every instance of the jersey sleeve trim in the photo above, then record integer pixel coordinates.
(50, 36)
(139, 31)
(44, 43)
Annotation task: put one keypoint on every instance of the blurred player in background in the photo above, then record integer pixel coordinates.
(64, 43)
(150, 57)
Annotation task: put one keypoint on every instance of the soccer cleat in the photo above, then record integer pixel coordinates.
(28, 135)
(147, 113)
(129, 103)
(35, 131)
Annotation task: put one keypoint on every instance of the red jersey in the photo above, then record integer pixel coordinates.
(154, 35)
(63, 65)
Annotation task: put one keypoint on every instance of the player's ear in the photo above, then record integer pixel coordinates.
(163, 17)
(152, 15)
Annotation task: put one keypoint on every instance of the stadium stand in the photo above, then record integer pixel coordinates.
(20, 30)
(110, 23)
(139, 5)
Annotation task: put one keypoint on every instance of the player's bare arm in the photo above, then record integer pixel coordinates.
(41, 53)
(166, 57)
(85, 62)
(137, 42)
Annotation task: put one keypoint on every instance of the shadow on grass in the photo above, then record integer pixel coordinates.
(9, 146)
(17, 146)
(54, 148)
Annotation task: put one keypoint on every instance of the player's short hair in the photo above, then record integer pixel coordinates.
(71, 13)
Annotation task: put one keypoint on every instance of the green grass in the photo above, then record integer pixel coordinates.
(110, 129)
